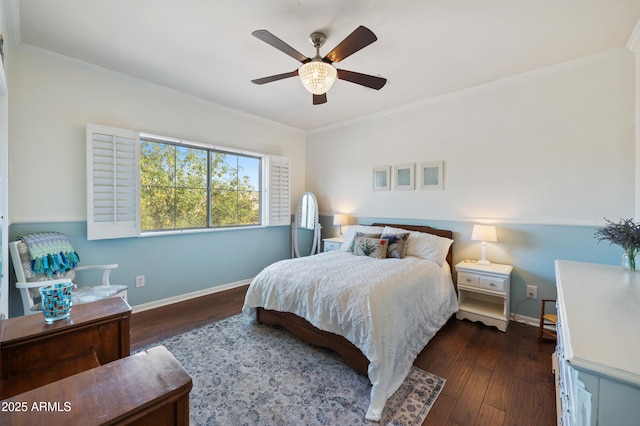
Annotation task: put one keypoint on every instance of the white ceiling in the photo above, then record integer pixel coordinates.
(425, 48)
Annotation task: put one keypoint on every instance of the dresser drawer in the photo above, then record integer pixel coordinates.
(490, 283)
(468, 279)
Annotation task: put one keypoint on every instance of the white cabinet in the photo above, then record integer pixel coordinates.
(331, 244)
(4, 197)
(483, 293)
(598, 352)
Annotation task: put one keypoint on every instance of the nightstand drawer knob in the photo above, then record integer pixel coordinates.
(495, 284)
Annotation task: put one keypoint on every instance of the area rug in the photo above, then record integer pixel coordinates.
(251, 374)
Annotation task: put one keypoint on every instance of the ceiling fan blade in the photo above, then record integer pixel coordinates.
(361, 37)
(276, 77)
(274, 41)
(367, 80)
(320, 99)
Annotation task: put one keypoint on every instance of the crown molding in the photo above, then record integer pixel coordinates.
(506, 81)
(109, 73)
(633, 43)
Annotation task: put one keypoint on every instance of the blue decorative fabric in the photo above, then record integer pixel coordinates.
(50, 252)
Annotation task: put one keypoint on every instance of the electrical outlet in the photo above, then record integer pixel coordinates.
(532, 292)
(140, 281)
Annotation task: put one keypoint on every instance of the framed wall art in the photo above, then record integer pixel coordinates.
(382, 178)
(431, 175)
(404, 179)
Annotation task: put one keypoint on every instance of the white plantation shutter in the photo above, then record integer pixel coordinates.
(278, 190)
(113, 176)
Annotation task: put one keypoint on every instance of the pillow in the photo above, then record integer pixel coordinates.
(423, 245)
(350, 233)
(397, 244)
(360, 235)
(372, 247)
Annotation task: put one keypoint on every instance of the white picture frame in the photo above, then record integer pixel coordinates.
(432, 175)
(404, 176)
(382, 178)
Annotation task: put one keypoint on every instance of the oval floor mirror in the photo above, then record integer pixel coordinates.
(305, 235)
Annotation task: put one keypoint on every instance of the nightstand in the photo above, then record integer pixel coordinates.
(331, 244)
(483, 293)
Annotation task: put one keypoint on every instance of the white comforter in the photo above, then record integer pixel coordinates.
(388, 308)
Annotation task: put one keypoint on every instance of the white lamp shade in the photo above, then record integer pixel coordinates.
(340, 219)
(484, 233)
(317, 76)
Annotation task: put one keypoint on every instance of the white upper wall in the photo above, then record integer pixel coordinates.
(553, 146)
(53, 98)
(550, 146)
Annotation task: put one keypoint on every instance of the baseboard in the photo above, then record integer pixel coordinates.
(182, 297)
(535, 322)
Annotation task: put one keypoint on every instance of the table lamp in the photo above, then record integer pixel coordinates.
(340, 219)
(484, 233)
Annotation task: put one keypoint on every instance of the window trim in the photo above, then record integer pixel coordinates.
(186, 142)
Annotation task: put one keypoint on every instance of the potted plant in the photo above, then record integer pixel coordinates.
(626, 234)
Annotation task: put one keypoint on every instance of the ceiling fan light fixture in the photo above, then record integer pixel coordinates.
(317, 76)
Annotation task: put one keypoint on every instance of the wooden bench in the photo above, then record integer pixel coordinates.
(148, 388)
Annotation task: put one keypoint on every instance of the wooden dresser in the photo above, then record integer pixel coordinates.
(598, 352)
(33, 353)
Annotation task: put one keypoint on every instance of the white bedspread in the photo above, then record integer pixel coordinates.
(388, 308)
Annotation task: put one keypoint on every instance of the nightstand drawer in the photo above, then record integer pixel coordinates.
(468, 279)
(332, 245)
(495, 284)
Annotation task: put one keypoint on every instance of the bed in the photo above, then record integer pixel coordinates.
(377, 313)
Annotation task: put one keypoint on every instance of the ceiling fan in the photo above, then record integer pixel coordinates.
(318, 74)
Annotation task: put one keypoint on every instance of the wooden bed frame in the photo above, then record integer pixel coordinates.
(308, 333)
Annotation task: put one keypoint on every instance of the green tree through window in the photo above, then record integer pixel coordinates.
(185, 187)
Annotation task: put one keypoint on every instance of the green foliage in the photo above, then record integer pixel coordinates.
(173, 189)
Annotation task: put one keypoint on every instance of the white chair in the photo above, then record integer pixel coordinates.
(29, 282)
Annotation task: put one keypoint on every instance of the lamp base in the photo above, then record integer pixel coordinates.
(483, 255)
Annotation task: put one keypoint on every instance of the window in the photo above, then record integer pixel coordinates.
(184, 187)
(141, 183)
(235, 189)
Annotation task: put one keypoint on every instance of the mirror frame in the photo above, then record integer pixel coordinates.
(315, 245)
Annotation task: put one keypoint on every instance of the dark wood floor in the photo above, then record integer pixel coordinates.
(493, 378)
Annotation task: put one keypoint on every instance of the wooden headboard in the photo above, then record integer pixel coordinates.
(427, 230)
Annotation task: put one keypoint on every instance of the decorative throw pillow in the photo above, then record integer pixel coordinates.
(349, 234)
(357, 235)
(425, 246)
(372, 247)
(397, 244)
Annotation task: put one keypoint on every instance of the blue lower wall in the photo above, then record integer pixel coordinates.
(179, 264)
(172, 264)
(531, 249)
